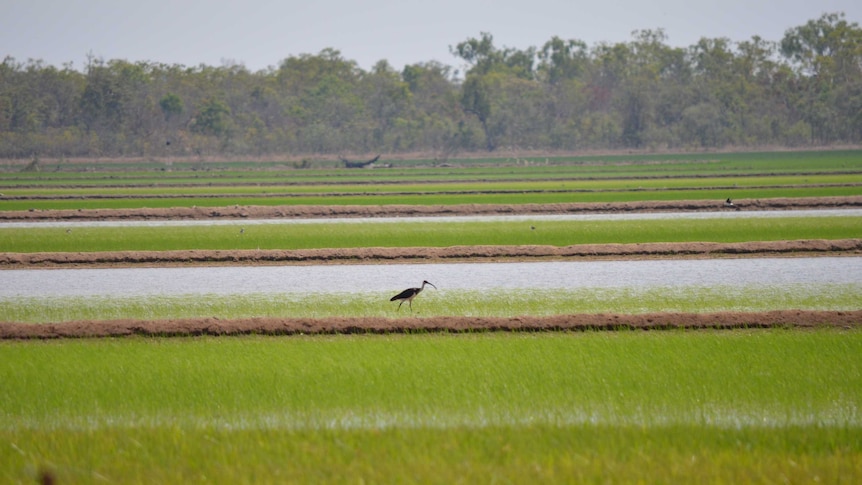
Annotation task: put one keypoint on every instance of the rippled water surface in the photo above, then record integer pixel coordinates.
(477, 276)
(534, 217)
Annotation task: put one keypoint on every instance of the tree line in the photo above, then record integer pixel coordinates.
(805, 89)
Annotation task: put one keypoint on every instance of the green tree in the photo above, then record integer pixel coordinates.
(212, 119)
(485, 92)
(483, 57)
(641, 93)
(386, 98)
(828, 54)
(171, 105)
(435, 120)
(101, 101)
(476, 100)
(718, 102)
(561, 60)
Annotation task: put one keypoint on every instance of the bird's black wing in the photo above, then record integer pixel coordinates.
(404, 294)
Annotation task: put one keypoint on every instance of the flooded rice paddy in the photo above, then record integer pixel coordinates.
(480, 218)
(240, 280)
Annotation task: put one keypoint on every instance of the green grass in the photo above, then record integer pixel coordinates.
(474, 181)
(662, 407)
(503, 303)
(269, 187)
(433, 198)
(653, 407)
(424, 234)
(629, 165)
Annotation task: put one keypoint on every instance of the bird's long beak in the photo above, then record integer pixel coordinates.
(432, 284)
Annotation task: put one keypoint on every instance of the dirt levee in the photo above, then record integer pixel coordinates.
(432, 254)
(452, 324)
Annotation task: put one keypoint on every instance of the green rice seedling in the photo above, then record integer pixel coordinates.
(431, 198)
(500, 303)
(586, 167)
(621, 406)
(242, 189)
(426, 234)
(573, 179)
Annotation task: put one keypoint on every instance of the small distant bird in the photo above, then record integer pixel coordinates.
(409, 294)
(532, 228)
(68, 231)
(728, 202)
(242, 230)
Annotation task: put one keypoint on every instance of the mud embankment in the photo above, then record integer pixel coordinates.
(374, 325)
(432, 254)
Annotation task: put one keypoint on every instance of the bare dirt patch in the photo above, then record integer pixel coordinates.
(453, 324)
(379, 255)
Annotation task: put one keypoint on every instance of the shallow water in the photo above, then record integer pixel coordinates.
(128, 282)
(515, 218)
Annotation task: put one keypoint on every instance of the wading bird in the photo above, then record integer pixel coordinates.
(409, 294)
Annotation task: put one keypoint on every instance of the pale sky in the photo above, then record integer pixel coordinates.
(262, 33)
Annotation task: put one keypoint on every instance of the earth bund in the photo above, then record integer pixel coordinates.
(211, 326)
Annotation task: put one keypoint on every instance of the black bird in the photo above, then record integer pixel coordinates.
(409, 294)
(728, 202)
(351, 164)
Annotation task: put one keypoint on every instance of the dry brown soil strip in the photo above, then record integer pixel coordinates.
(375, 325)
(318, 211)
(431, 254)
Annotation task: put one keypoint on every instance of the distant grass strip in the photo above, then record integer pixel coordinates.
(424, 234)
(500, 168)
(432, 198)
(663, 407)
(501, 303)
(565, 184)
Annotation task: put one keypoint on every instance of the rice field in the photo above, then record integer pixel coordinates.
(742, 406)
(468, 181)
(424, 234)
(473, 303)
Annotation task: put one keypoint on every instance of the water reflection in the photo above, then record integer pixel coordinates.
(129, 282)
(730, 214)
